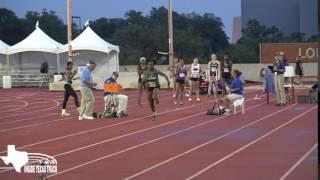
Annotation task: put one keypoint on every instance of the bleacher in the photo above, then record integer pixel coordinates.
(26, 78)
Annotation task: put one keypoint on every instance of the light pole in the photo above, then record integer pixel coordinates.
(69, 30)
(170, 34)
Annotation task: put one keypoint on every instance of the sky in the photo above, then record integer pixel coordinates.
(94, 9)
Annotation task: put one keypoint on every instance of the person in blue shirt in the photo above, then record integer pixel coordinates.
(279, 69)
(120, 101)
(235, 91)
(86, 86)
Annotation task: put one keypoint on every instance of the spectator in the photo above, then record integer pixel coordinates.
(119, 100)
(299, 69)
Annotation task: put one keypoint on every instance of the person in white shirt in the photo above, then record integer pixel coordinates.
(195, 71)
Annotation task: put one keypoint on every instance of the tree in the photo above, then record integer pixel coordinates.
(11, 29)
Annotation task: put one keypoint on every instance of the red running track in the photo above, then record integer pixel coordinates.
(268, 142)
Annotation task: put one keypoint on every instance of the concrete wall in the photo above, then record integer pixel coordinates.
(128, 76)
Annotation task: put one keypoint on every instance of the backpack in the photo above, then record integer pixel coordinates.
(215, 110)
(44, 68)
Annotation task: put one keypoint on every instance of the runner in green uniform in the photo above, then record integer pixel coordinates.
(151, 79)
(214, 73)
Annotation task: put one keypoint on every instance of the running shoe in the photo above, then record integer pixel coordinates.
(190, 99)
(175, 102)
(154, 116)
(198, 99)
(88, 117)
(65, 114)
(80, 118)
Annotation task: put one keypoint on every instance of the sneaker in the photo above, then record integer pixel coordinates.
(198, 99)
(181, 103)
(190, 99)
(154, 116)
(227, 112)
(175, 102)
(187, 95)
(80, 118)
(122, 114)
(88, 117)
(174, 96)
(65, 114)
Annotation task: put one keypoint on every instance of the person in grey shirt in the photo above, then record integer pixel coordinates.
(86, 86)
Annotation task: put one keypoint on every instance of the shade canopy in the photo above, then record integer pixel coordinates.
(36, 41)
(3, 47)
(89, 40)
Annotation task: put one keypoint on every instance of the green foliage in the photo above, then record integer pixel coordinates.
(137, 35)
(247, 48)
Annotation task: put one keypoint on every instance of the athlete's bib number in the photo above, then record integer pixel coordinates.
(152, 84)
(181, 75)
(213, 69)
(226, 70)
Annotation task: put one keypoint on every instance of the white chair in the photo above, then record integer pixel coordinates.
(239, 102)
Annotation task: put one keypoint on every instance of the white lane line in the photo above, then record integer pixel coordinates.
(102, 127)
(36, 117)
(145, 143)
(283, 177)
(10, 122)
(39, 110)
(206, 143)
(247, 145)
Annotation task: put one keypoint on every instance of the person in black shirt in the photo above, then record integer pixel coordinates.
(68, 90)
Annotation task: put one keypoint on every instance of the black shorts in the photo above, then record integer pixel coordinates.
(150, 89)
(213, 73)
(180, 81)
(194, 79)
(226, 75)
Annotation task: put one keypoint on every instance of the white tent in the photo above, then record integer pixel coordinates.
(3, 47)
(3, 56)
(92, 47)
(37, 42)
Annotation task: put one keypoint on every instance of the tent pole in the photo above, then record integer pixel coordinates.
(58, 63)
(170, 33)
(8, 65)
(69, 30)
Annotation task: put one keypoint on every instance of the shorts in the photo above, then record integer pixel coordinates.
(180, 81)
(234, 96)
(140, 80)
(226, 75)
(150, 89)
(194, 79)
(213, 74)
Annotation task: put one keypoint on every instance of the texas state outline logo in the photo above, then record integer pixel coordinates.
(31, 162)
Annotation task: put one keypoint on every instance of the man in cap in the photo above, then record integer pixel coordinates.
(279, 69)
(86, 86)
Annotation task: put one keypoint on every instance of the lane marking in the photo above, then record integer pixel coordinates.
(247, 145)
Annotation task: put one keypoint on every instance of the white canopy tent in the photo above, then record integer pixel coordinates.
(35, 48)
(92, 47)
(3, 47)
(3, 54)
